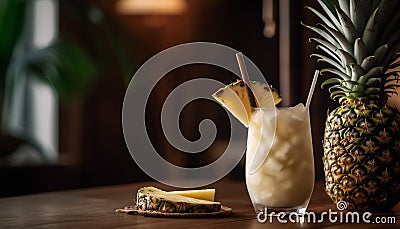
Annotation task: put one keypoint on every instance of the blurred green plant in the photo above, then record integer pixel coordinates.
(12, 17)
(69, 64)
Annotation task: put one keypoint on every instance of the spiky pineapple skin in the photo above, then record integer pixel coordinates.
(362, 155)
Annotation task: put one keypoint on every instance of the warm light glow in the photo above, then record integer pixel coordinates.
(150, 7)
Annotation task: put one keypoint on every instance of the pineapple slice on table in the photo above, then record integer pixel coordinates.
(361, 42)
(154, 199)
(239, 100)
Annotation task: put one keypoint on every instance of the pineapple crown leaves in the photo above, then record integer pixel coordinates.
(360, 40)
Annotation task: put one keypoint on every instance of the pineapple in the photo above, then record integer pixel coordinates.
(202, 194)
(154, 199)
(238, 99)
(361, 42)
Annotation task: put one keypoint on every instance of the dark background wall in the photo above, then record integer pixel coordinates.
(93, 150)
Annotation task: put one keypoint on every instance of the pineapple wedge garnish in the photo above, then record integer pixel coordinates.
(238, 99)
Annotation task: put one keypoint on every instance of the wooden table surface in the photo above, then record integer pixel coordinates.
(94, 208)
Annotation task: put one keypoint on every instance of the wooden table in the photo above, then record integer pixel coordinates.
(94, 208)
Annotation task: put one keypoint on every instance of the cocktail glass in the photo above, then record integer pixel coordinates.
(279, 161)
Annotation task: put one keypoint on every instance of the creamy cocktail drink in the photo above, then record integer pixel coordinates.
(279, 159)
(279, 156)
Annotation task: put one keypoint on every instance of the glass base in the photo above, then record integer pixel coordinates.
(274, 211)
